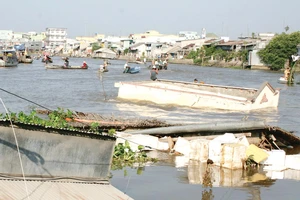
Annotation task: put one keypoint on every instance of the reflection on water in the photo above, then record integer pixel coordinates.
(89, 91)
(207, 193)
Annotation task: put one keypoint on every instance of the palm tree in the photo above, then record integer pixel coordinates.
(287, 28)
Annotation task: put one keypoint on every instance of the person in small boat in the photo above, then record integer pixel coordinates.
(195, 80)
(165, 64)
(47, 59)
(153, 73)
(66, 62)
(126, 67)
(156, 64)
(101, 69)
(105, 64)
(84, 65)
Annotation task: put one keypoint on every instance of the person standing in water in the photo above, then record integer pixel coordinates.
(153, 73)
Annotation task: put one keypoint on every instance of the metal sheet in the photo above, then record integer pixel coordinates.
(49, 190)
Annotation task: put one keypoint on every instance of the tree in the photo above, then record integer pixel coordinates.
(193, 54)
(287, 28)
(279, 50)
(95, 46)
(126, 51)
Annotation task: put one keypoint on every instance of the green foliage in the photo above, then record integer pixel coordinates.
(243, 55)
(250, 163)
(125, 157)
(95, 46)
(94, 126)
(111, 132)
(193, 54)
(126, 51)
(56, 119)
(279, 50)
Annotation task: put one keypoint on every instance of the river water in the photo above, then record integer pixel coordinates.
(90, 91)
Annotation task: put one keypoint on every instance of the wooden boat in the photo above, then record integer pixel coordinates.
(50, 66)
(26, 59)
(8, 58)
(132, 70)
(50, 61)
(139, 62)
(199, 95)
(103, 70)
(136, 62)
(162, 66)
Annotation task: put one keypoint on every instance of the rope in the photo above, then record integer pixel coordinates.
(25, 99)
(17, 145)
(101, 80)
(127, 185)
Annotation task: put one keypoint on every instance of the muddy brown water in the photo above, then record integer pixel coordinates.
(89, 91)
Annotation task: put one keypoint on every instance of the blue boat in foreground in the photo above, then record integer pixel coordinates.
(132, 70)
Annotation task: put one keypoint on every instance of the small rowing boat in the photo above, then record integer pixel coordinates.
(64, 67)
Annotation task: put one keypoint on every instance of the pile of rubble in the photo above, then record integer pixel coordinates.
(229, 150)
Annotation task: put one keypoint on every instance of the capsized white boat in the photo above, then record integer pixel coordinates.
(199, 95)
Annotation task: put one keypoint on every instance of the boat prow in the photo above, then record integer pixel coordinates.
(282, 80)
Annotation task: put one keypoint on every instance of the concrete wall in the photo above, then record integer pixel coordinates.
(51, 154)
(254, 58)
(181, 61)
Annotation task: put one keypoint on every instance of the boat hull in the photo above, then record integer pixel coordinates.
(27, 61)
(200, 95)
(8, 58)
(47, 152)
(132, 70)
(63, 67)
(10, 64)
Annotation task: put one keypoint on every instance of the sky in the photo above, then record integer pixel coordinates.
(231, 18)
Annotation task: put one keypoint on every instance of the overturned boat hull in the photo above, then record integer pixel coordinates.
(200, 95)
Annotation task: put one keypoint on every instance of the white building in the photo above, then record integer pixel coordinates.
(55, 37)
(6, 35)
(188, 35)
(203, 33)
(266, 36)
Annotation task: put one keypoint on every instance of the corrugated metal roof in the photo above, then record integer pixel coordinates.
(134, 46)
(52, 190)
(105, 50)
(174, 49)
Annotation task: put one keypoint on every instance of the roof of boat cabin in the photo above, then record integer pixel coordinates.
(8, 50)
